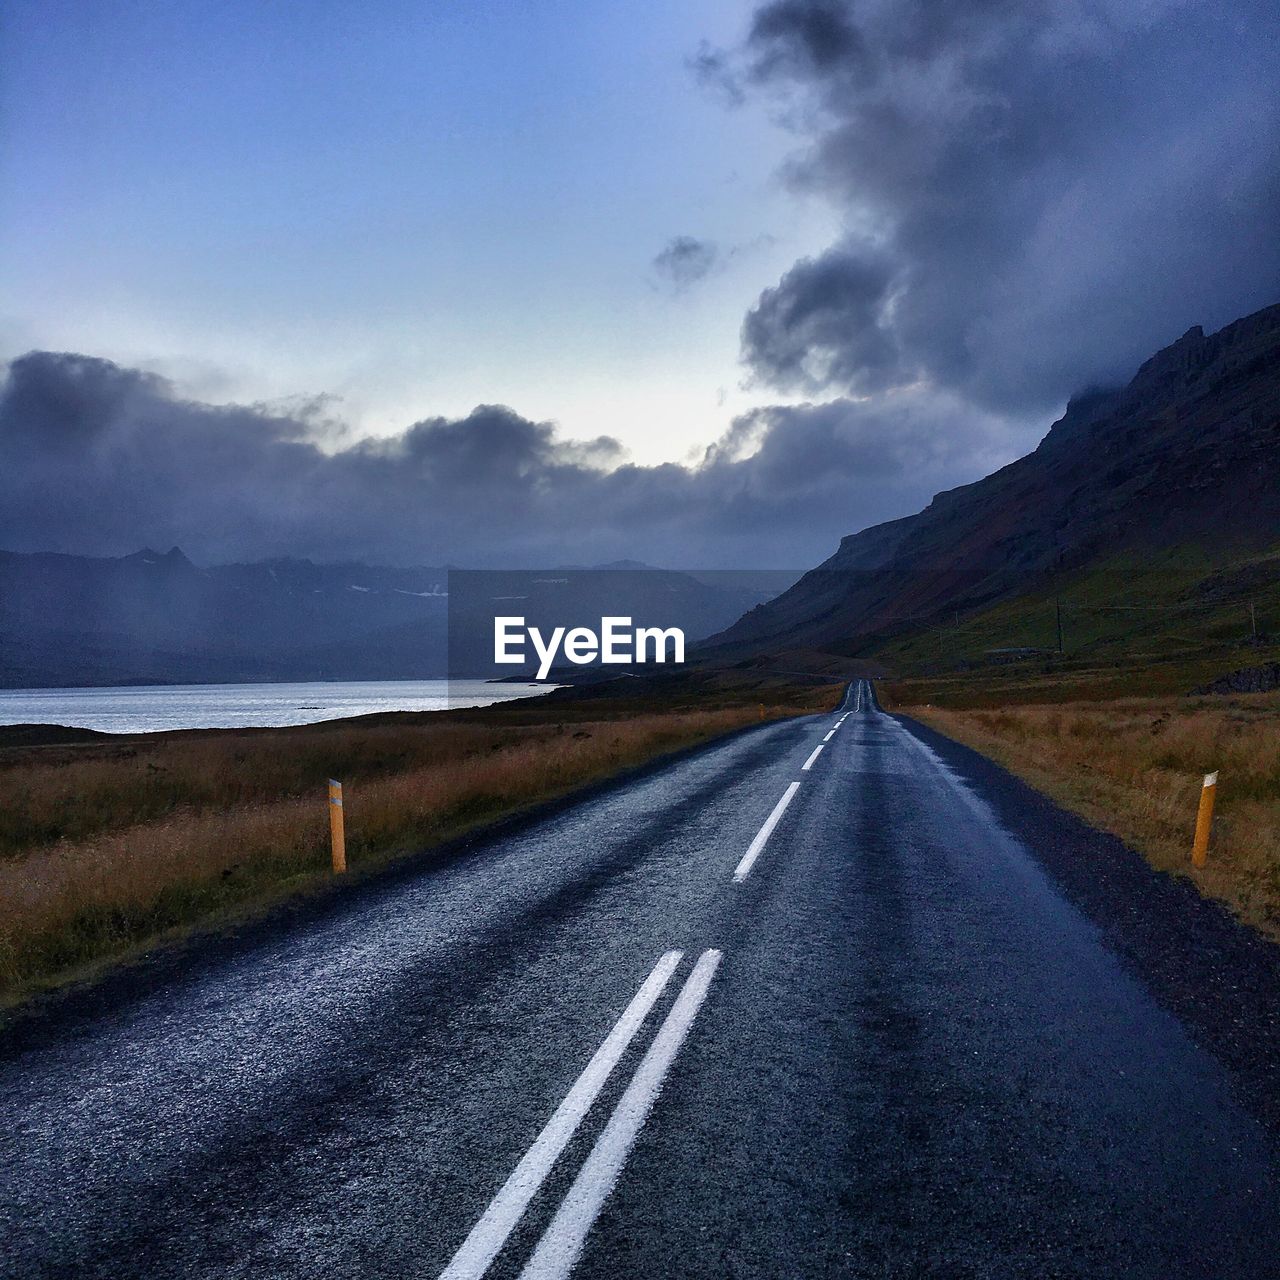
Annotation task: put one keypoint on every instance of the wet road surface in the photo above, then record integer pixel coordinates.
(798, 1005)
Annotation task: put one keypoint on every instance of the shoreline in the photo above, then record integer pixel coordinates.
(91, 710)
(115, 841)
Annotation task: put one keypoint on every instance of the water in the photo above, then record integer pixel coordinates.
(145, 708)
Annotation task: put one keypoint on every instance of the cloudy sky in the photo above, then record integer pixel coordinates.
(691, 281)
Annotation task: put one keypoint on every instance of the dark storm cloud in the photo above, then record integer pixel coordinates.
(686, 260)
(826, 322)
(104, 460)
(1038, 194)
(805, 37)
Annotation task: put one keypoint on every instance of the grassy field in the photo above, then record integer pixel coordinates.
(1135, 766)
(1160, 624)
(110, 845)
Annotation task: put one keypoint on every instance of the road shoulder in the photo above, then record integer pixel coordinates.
(1219, 977)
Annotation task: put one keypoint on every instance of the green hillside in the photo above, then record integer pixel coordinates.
(1162, 623)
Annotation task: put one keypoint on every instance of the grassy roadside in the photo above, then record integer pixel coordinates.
(1134, 767)
(108, 846)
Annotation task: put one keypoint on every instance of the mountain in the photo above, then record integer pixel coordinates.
(1185, 459)
(1150, 511)
(152, 618)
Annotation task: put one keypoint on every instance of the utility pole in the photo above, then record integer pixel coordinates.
(1057, 588)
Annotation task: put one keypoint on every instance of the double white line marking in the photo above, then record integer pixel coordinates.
(562, 1241)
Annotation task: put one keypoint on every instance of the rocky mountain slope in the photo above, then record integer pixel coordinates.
(1187, 454)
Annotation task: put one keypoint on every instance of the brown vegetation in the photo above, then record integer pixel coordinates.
(1135, 767)
(105, 847)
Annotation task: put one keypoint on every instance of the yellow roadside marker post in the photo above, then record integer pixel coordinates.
(1204, 820)
(337, 833)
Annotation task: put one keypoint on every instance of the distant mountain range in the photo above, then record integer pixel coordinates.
(1185, 458)
(152, 618)
(1180, 469)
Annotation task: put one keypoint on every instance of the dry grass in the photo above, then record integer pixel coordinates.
(80, 793)
(1135, 767)
(109, 848)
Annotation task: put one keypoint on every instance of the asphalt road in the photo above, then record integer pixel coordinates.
(802, 1004)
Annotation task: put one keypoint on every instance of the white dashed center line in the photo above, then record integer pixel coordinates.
(753, 851)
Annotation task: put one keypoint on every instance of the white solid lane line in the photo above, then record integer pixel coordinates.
(753, 851)
(808, 764)
(489, 1234)
(562, 1242)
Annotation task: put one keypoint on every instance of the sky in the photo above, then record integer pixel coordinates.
(414, 207)
(700, 283)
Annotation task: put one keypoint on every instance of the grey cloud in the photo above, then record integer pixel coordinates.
(58, 403)
(103, 460)
(804, 37)
(686, 260)
(826, 323)
(712, 69)
(1049, 191)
